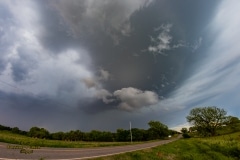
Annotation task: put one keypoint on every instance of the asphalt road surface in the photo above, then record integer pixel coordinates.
(13, 152)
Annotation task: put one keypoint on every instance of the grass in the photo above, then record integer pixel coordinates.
(226, 147)
(8, 137)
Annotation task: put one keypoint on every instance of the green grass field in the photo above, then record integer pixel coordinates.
(225, 147)
(8, 137)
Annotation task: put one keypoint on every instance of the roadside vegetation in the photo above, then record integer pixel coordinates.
(225, 147)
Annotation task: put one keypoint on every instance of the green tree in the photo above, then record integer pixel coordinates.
(157, 130)
(105, 137)
(2, 127)
(233, 120)
(233, 123)
(38, 132)
(122, 135)
(57, 136)
(15, 130)
(184, 130)
(94, 135)
(206, 120)
(86, 136)
(138, 134)
(185, 133)
(172, 132)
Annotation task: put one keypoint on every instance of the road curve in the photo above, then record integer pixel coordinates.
(12, 152)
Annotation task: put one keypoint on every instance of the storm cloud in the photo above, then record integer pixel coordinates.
(85, 61)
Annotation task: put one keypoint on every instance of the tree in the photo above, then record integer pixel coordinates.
(157, 130)
(15, 130)
(122, 135)
(106, 137)
(185, 133)
(192, 129)
(172, 132)
(38, 132)
(232, 120)
(184, 130)
(233, 123)
(57, 136)
(206, 120)
(5, 128)
(138, 134)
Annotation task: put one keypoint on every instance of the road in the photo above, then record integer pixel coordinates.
(12, 152)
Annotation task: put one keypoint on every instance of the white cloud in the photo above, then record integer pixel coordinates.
(133, 99)
(52, 76)
(162, 42)
(60, 68)
(43, 72)
(24, 13)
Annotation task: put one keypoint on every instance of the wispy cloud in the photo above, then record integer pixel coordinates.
(197, 44)
(216, 78)
(163, 42)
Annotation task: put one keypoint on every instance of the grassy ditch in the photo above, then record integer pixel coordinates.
(225, 147)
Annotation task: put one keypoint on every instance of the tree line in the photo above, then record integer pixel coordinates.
(205, 121)
(157, 130)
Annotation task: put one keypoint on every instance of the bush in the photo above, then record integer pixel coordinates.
(186, 135)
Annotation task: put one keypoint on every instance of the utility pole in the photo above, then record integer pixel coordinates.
(130, 131)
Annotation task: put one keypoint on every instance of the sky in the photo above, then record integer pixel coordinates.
(99, 64)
